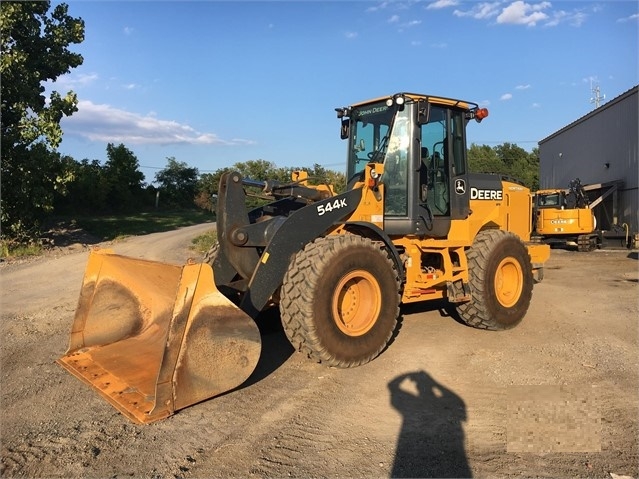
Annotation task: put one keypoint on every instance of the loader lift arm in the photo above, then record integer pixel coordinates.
(252, 258)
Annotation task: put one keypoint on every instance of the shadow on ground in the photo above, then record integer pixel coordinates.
(431, 440)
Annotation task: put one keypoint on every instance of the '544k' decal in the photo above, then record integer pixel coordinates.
(335, 205)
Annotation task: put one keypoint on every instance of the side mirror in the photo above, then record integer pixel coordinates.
(345, 129)
(423, 112)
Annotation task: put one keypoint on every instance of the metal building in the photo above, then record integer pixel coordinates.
(599, 149)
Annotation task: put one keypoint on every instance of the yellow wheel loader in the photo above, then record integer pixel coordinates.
(413, 225)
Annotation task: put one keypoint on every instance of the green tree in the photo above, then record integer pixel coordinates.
(88, 191)
(206, 189)
(260, 170)
(124, 179)
(34, 47)
(506, 159)
(208, 183)
(320, 175)
(177, 184)
(484, 159)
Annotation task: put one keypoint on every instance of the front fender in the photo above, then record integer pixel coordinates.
(300, 228)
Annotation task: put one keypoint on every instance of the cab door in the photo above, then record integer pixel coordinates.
(443, 183)
(460, 189)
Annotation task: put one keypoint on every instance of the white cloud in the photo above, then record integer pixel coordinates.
(393, 19)
(107, 124)
(350, 34)
(631, 18)
(522, 87)
(73, 82)
(128, 30)
(577, 19)
(379, 6)
(412, 23)
(506, 96)
(480, 11)
(441, 4)
(535, 105)
(574, 18)
(522, 13)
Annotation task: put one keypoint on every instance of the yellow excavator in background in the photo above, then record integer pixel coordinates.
(563, 216)
(566, 217)
(413, 225)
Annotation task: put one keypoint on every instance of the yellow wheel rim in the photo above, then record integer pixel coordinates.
(509, 282)
(356, 303)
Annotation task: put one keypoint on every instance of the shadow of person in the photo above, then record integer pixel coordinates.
(431, 440)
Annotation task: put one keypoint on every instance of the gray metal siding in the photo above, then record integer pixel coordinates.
(602, 146)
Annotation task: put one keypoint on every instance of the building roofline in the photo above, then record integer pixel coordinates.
(605, 106)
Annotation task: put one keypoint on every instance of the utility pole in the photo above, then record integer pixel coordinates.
(597, 98)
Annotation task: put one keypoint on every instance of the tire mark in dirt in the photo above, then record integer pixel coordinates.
(291, 406)
(68, 454)
(287, 453)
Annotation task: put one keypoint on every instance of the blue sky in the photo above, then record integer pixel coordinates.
(213, 83)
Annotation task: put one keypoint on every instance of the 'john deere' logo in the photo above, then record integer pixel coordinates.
(460, 187)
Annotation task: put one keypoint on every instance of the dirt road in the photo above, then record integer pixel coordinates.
(555, 397)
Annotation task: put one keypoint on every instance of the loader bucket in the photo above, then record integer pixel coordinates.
(153, 338)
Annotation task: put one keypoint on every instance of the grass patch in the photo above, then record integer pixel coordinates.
(113, 227)
(120, 226)
(202, 244)
(11, 250)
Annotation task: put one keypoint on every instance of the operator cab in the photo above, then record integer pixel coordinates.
(422, 143)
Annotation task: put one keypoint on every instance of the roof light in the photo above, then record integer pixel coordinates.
(397, 100)
(481, 113)
(342, 112)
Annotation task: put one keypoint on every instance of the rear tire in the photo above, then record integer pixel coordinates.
(501, 281)
(340, 300)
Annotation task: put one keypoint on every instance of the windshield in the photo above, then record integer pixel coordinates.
(549, 200)
(369, 135)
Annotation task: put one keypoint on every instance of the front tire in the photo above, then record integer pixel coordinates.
(211, 254)
(501, 281)
(340, 300)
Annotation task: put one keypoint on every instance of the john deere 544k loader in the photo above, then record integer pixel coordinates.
(413, 225)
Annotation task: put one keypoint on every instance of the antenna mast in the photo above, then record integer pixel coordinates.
(597, 98)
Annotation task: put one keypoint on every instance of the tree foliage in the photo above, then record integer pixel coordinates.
(506, 159)
(177, 184)
(117, 186)
(87, 192)
(34, 44)
(208, 184)
(124, 179)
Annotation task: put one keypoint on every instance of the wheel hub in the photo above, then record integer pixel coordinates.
(356, 303)
(509, 281)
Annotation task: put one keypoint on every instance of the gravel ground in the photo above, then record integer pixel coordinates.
(556, 396)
